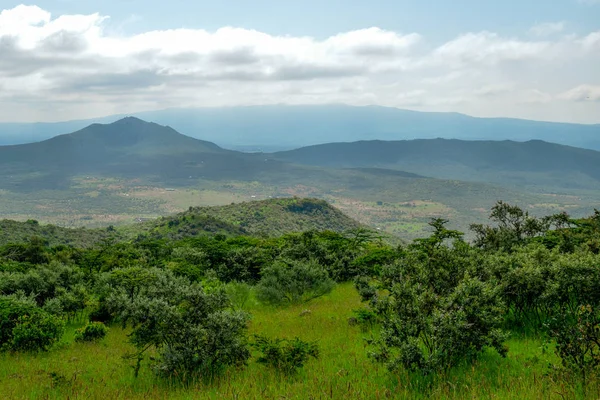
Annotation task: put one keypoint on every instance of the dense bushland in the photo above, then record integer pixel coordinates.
(436, 304)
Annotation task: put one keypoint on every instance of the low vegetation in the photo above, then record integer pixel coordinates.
(308, 315)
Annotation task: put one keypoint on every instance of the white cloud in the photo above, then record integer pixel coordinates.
(582, 93)
(70, 66)
(547, 28)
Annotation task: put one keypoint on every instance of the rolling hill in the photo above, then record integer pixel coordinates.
(272, 217)
(278, 127)
(533, 163)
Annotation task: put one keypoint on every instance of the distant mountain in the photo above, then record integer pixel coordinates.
(130, 148)
(531, 163)
(281, 127)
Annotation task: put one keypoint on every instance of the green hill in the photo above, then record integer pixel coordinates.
(533, 163)
(271, 217)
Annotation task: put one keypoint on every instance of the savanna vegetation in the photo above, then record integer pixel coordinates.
(514, 313)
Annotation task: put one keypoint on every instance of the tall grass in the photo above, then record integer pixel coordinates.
(344, 370)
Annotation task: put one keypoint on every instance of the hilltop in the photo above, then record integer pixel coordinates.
(272, 217)
(532, 163)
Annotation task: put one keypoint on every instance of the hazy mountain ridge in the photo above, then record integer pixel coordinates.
(129, 147)
(283, 126)
(533, 162)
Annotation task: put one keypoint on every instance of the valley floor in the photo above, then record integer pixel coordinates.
(344, 370)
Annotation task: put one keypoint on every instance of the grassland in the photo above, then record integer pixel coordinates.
(344, 370)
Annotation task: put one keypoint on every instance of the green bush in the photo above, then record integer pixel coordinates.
(293, 282)
(577, 335)
(91, 332)
(434, 312)
(284, 355)
(35, 332)
(193, 331)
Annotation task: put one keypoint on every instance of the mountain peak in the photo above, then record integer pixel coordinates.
(131, 121)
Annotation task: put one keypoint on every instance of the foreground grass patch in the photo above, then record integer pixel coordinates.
(97, 370)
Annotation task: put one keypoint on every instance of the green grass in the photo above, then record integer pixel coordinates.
(97, 371)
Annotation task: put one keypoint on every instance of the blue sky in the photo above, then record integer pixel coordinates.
(67, 59)
(439, 19)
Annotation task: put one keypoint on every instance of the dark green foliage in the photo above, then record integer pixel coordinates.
(193, 331)
(284, 355)
(26, 327)
(91, 332)
(292, 282)
(577, 335)
(21, 232)
(271, 217)
(434, 309)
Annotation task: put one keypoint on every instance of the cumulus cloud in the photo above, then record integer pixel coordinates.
(70, 66)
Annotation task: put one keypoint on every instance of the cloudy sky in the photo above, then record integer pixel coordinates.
(73, 59)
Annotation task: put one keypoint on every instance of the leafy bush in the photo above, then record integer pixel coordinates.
(38, 331)
(194, 332)
(25, 326)
(293, 282)
(363, 317)
(284, 355)
(434, 313)
(91, 332)
(577, 336)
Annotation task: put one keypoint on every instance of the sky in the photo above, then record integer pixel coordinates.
(76, 59)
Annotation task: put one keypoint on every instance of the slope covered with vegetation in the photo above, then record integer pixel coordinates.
(19, 232)
(532, 163)
(515, 314)
(272, 217)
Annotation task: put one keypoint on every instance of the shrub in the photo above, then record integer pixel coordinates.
(363, 317)
(284, 355)
(91, 332)
(293, 282)
(434, 313)
(193, 331)
(577, 335)
(37, 331)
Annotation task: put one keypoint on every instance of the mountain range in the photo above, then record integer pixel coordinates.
(284, 127)
(132, 170)
(533, 164)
